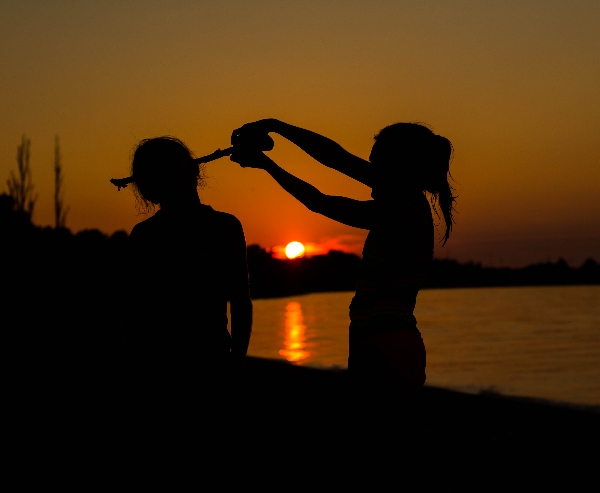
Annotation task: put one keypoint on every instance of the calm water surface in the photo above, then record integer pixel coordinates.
(534, 341)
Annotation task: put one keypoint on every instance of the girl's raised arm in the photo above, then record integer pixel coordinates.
(324, 150)
(356, 213)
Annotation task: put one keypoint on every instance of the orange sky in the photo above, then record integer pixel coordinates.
(514, 85)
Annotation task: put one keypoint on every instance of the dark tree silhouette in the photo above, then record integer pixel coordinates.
(60, 211)
(20, 187)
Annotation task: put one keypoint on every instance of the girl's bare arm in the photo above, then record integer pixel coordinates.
(347, 211)
(324, 150)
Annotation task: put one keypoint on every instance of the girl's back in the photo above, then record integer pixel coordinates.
(188, 267)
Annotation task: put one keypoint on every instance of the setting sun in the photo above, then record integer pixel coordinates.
(294, 249)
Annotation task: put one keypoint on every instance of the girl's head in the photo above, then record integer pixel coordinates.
(162, 168)
(410, 157)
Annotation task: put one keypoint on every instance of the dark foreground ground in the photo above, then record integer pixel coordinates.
(471, 434)
(294, 429)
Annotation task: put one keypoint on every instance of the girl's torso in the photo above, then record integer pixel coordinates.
(396, 259)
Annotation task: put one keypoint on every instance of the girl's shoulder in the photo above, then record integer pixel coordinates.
(221, 219)
(147, 225)
(205, 222)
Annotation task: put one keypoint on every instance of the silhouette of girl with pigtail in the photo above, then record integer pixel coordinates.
(187, 261)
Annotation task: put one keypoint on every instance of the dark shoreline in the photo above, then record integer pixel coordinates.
(484, 423)
(428, 288)
(284, 367)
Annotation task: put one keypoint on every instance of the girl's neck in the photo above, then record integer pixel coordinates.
(181, 203)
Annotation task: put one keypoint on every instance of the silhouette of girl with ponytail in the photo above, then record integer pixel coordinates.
(188, 261)
(387, 355)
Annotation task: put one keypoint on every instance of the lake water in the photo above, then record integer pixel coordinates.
(541, 342)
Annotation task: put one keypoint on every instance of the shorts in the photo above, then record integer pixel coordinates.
(398, 354)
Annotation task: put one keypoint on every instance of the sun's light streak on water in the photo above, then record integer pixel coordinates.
(295, 334)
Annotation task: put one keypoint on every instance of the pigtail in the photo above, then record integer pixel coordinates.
(446, 200)
(443, 197)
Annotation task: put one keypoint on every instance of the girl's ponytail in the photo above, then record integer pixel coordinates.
(445, 201)
(441, 190)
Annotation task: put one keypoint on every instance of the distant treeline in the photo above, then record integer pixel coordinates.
(337, 271)
(95, 253)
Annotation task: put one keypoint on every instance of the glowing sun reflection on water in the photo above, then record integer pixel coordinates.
(295, 334)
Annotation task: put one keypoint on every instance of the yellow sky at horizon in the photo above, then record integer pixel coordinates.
(514, 86)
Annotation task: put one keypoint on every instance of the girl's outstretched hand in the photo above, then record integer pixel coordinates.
(249, 141)
(253, 129)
